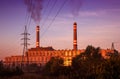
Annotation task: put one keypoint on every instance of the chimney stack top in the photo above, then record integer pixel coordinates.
(75, 23)
(37, 26)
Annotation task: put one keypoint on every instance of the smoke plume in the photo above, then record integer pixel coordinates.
(75, 7)
(34, 7)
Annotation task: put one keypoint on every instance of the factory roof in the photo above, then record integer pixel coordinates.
(42, 49)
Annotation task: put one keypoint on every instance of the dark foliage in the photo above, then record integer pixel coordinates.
(53, 67)
(88, 65)
(8, 72)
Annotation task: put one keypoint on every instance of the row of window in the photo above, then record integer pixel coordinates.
(52, 53)
(30, 59)
(39, 59)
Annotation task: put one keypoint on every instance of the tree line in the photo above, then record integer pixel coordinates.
(8, 72)
(87, 65)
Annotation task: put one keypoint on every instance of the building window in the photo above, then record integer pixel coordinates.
(43, 54)
(34, 59)
(42, 59)
(40, 53)
(46, 58)
(66, 53)
(36, 53)
(30, 53)
(33, 53)
(50, 54)
(70, 53)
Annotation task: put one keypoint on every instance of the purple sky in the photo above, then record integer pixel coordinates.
(98, 25)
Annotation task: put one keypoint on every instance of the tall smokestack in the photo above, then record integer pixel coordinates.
(75, 36)
(37, 36)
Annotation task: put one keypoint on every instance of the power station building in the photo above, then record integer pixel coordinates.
(41, 55)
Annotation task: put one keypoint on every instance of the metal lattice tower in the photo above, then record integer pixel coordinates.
(112, 47)
(25, 48)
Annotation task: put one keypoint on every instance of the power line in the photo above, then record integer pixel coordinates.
(54, 17)
(29, 17)
(50, 10)
(43, 13)
(49, 13)
(46, 7)
(27, 26)
(29, 22)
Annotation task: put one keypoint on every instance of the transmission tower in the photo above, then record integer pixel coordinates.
(112, 47)
(25, 47)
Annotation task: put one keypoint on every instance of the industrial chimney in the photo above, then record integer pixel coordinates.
(37, 36)
(75, 36)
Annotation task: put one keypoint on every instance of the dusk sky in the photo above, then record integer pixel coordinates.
(98, 23)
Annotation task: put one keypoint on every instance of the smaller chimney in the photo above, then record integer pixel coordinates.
(75, 36)
(37, 36)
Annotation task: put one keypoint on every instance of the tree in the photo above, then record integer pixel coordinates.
(53, 66)
(109, 69)
(1, 65)
(85, 64)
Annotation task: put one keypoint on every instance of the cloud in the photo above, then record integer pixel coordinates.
(89, 13)
(86, 14)
(95, 13)
(113, 10)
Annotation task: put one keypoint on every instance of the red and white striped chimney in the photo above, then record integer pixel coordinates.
(75, 36)
(37, 36)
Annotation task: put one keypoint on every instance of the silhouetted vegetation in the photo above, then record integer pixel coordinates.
(8, 72)
(34, 68)
(88, 65)
(53, 67)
